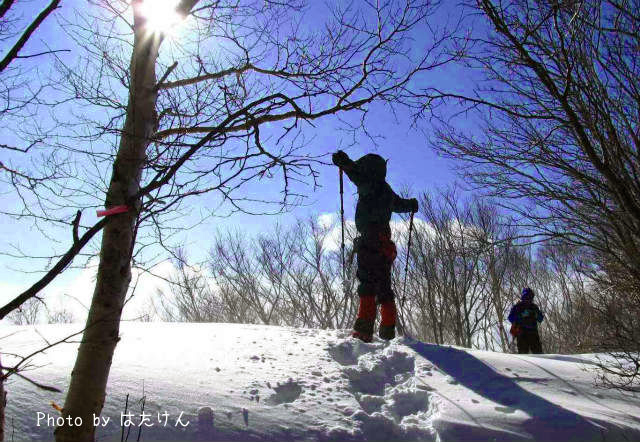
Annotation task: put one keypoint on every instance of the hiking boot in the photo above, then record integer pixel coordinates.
(363, 326)
(387, 332)
(364, 338)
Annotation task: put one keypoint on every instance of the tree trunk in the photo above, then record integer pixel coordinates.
(86, 394)
(3, 403)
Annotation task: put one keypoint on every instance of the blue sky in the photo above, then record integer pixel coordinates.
(412, 165)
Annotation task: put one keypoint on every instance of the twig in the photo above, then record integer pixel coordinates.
(126, 405)
(37, 384)
(144, 399)
(55, 271)
(13, 52)
(76, 223)
(43, 53)
(165, 75)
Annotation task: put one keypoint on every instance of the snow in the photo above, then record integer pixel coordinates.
(262, 383)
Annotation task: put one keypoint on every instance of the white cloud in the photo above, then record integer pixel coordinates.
(73, 290)
(399, 229)
(326, 220)
(331, 222)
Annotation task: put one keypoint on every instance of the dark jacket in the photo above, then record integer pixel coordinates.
(376, 199)
(526, 314)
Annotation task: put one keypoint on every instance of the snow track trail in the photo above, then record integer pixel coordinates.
(232, 382)
(381, 376)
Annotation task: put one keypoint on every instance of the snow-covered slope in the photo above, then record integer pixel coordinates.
(273, 383)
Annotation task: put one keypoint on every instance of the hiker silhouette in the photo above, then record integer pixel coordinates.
(374, 248)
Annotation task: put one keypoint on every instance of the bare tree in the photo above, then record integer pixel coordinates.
(284, 277)
(583, 314)
(7, 9)
(558, 103)
(28, 166)
(613, 301)
(321, 296)
(500, 256)
(201, 125)
(17, 94)
(191, 298)
(60, 316)
(247, 297)
(444, 276)
(467, 266)
(21, 88)
(28, 313)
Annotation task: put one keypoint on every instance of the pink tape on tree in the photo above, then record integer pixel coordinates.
(112, 211)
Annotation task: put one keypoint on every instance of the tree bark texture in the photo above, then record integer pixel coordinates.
(86, 394)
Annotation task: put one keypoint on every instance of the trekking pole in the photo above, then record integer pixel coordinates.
(406, 272)
(342, 223)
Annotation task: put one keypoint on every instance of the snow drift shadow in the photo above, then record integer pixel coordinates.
(577, 390)
(548, 421)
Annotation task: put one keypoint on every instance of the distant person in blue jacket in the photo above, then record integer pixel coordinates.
(525, 316)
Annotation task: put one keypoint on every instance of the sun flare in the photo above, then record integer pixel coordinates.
(161, 15)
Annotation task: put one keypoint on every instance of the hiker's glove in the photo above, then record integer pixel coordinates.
(339, 158)
(414, 204)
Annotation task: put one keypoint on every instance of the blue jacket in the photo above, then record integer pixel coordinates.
(526, 315)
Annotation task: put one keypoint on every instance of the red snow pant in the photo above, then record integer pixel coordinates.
(376, 253)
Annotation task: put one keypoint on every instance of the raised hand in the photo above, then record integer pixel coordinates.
(339, 158)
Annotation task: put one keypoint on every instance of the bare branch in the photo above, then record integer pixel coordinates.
(15, 49)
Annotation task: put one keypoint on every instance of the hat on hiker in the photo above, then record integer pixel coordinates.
(373, 165)
(527, 294)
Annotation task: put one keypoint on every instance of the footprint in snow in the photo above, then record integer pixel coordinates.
(348, 352)
(371, 377)
(285, 393)
(371, 403)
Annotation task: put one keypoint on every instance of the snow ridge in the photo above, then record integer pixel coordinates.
(235, 382)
